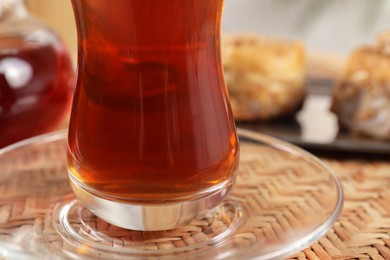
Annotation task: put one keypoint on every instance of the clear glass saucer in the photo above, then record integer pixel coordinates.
(284, 200)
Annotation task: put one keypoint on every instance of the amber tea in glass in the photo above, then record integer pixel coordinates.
(152, 142)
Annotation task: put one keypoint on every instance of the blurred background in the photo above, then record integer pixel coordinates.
(59, 16)
(323, 25)
(327, 26)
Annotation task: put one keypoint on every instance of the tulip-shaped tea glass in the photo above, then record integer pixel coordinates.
(152, 142)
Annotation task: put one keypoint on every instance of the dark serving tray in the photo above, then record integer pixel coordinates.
(315, 127)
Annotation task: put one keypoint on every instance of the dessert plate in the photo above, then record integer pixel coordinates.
(284, 200)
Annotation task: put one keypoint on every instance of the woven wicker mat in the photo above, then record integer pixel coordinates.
(363, 230)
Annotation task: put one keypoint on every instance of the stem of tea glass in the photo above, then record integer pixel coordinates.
(152, 142)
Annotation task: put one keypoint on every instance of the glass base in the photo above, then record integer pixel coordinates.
(83, 229)
(144, 217)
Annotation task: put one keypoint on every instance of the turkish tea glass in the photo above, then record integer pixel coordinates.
(152, 141)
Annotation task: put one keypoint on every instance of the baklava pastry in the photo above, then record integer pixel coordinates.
(361, 99)
(265, 77)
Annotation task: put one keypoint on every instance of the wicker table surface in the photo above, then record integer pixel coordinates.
(363, 230)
